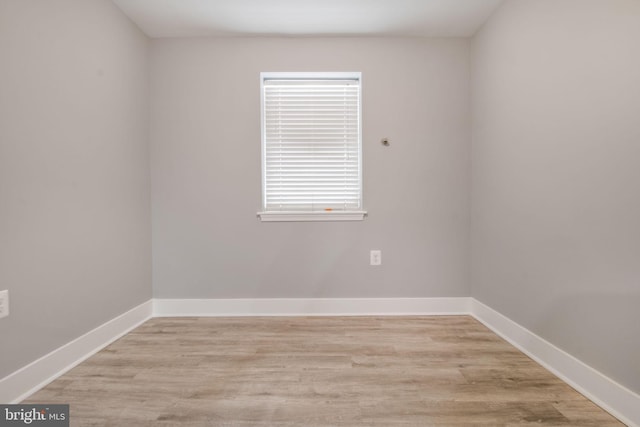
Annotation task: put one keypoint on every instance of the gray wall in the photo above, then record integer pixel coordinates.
(556, 173)
(554, 200)
(205, 151)
(74, 174)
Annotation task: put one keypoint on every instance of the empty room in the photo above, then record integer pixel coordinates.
(320, 212)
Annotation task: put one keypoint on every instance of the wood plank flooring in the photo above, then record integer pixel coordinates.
(317, 371)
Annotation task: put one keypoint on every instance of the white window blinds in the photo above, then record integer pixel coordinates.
(311, 143)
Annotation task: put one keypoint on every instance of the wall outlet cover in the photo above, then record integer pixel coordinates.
(4, 304)
(375, 257)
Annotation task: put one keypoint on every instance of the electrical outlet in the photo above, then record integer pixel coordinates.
(375, 257)
(4, 303)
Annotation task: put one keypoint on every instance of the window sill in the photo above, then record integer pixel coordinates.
(311, 216)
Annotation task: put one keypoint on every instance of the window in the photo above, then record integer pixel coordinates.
(311, 147)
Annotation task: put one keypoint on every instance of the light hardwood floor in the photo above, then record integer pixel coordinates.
(316, 371)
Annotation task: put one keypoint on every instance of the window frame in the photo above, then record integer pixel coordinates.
(301, 215)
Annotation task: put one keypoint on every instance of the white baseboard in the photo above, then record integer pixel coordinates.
(311, 307)
(31, 378)
(613, 397)
(619, 401)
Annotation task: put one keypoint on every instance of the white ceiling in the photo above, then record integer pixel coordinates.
(427, 18)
